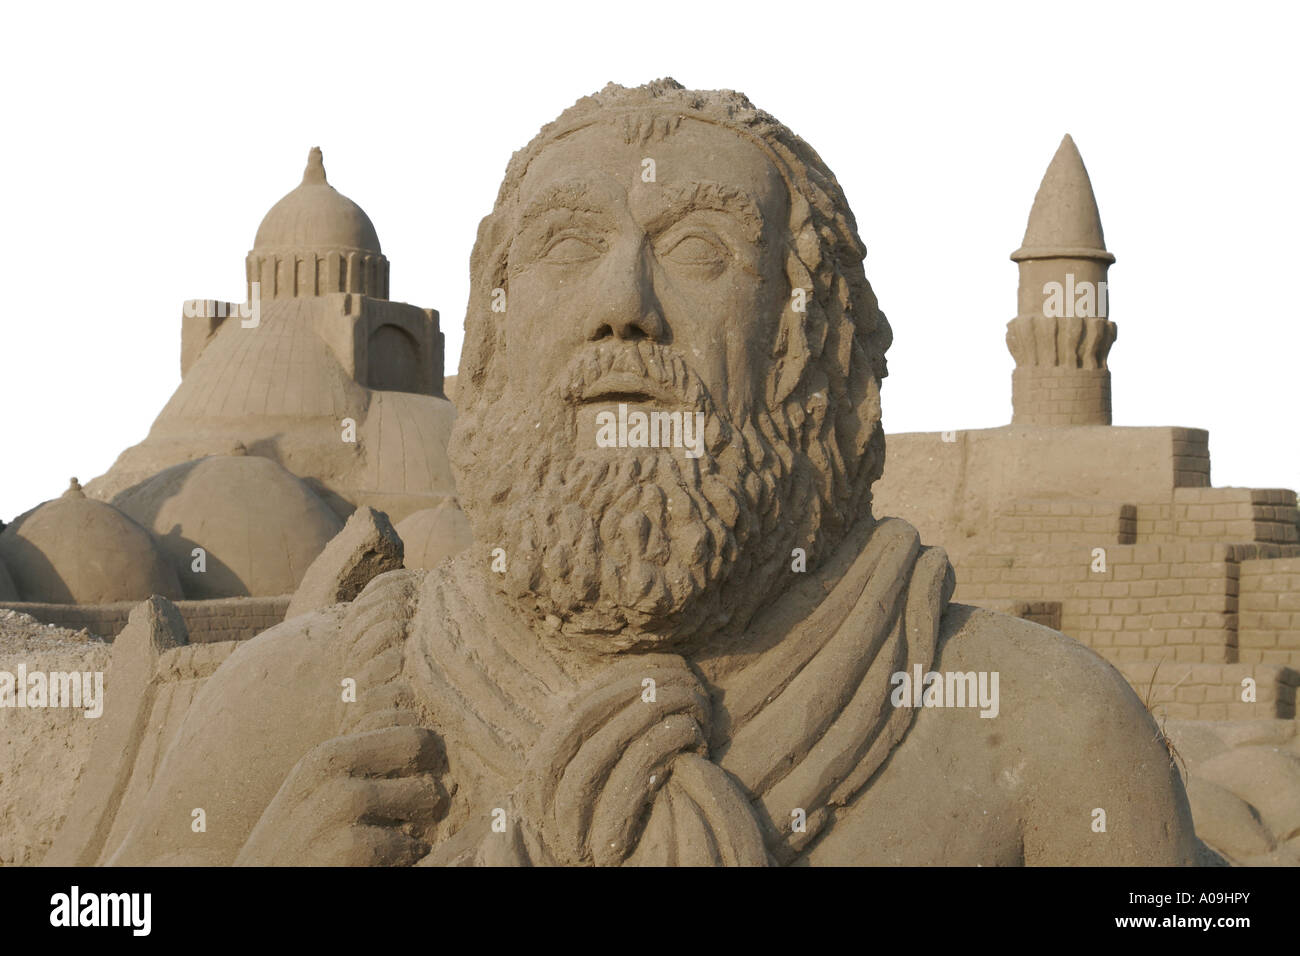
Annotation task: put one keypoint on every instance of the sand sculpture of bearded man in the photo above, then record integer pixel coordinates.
(653, 657)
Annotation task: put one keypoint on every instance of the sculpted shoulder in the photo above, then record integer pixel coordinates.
(1075, 739)
(1038, 667)
(1070, 771)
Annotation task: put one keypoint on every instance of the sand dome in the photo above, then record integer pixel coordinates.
(432, 534)
(259, 526)
(316, 216)
(75, 550)
(8, 590)
(316, 241)
(404, 466)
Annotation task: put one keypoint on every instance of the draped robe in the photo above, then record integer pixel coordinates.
(638, 758)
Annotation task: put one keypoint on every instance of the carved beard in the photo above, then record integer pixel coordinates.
(630, 548)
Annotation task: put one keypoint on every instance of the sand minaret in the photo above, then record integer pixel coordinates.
(1061, 333)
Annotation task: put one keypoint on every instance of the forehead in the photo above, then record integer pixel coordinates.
(693, 152)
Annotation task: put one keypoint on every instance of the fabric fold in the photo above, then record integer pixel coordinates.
(628, 767)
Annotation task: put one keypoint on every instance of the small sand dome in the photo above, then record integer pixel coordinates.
(316, 241)
(75, 550)
(259, 527)
(316, 216)
(432, 534)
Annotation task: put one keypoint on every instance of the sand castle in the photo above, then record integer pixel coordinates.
(314, 397)
(1116, 537)
(648, 657)
(1113, 535)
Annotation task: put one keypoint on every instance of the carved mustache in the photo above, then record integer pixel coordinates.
(632, 372)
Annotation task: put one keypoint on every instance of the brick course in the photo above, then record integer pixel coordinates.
(222, 619)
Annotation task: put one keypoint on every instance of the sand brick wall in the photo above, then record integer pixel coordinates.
(1115, 537)
(1060, 396)
(1184, 691)
(1269, 611)
(223, 619)
(1058, 523)
(1191, 457)
(231, 619)
(1213, 588)
(1151, 602)
(1234, 514)
(1228, 515)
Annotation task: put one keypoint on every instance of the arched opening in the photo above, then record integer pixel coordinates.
(394, 360)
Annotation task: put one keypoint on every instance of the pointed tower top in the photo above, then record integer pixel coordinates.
(315, 171)
(1064, 222)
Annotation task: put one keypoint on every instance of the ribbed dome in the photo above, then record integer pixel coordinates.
(75, 550)
(314, 242)
(316, 216)
(433, 534)
(260, 526)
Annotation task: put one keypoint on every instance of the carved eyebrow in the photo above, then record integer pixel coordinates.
(687, 197)
(574, 195)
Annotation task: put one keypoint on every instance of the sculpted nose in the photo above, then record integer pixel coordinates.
(626, 306)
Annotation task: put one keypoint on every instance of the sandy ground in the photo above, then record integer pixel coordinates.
(42, 751)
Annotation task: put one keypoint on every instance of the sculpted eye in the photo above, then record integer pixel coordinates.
(567, 249)
(696, 250)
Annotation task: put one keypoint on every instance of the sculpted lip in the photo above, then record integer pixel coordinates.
(628, 387)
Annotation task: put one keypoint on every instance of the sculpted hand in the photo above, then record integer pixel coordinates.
(367, 799)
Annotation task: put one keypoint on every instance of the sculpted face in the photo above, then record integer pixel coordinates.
(661, 291)
(690, 261)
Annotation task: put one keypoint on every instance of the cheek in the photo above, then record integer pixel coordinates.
(551, 299)
(759, 307)
(756, 308)
(727, 329)
(541, 320)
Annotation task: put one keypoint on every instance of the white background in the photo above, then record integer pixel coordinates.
(143, 144)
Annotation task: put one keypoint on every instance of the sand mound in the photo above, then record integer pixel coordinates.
(42, 750)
